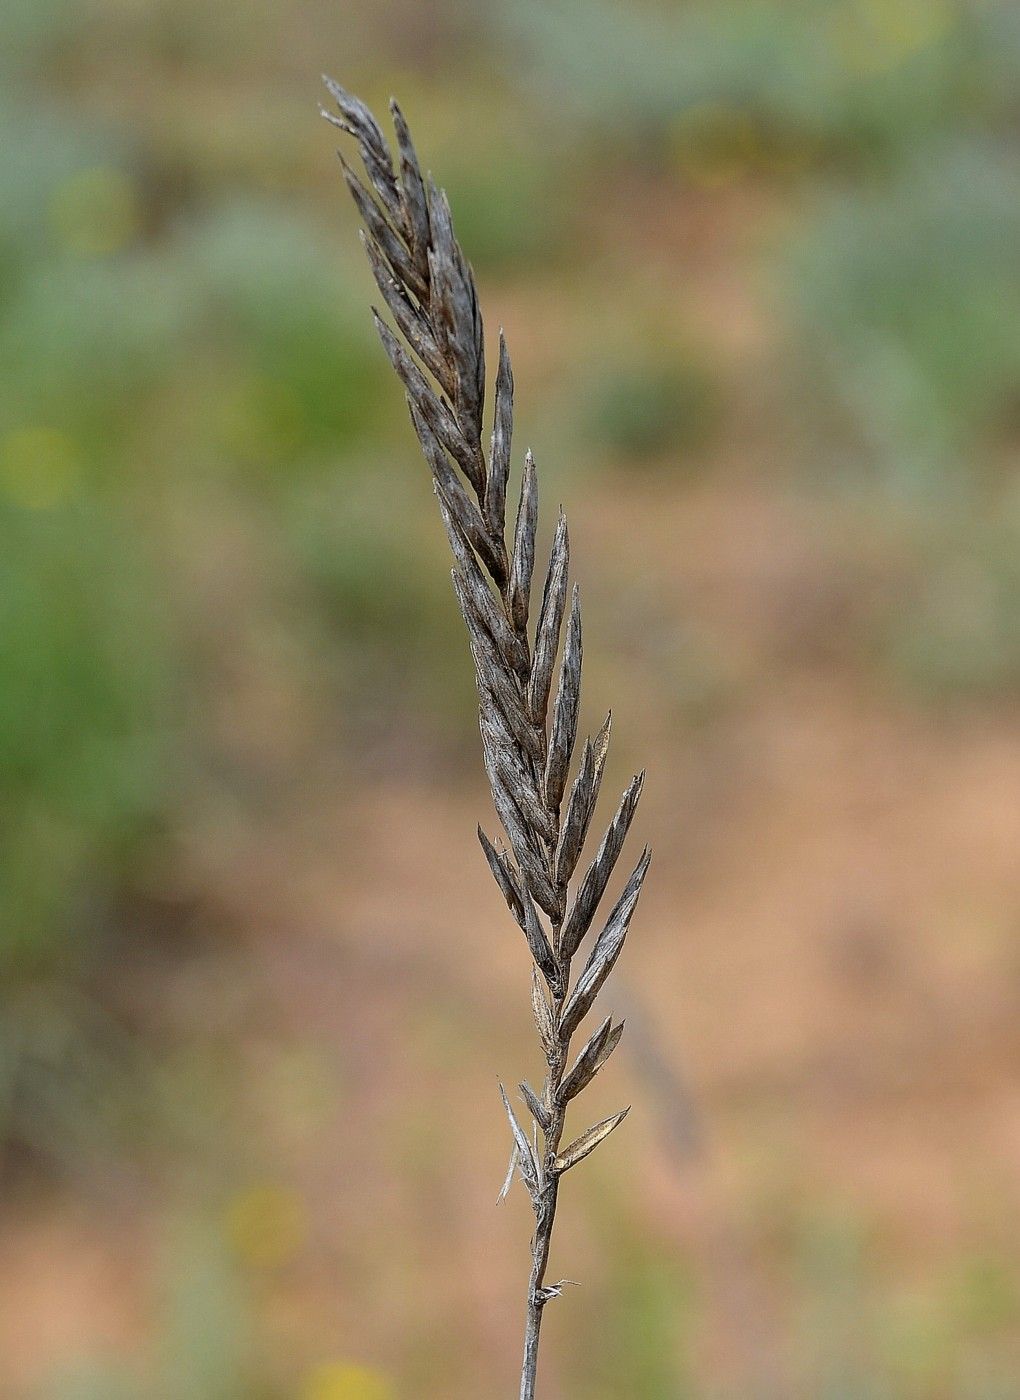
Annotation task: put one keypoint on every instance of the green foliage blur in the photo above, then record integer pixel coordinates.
(776, 232)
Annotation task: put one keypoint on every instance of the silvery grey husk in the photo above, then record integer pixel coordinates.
(528, 724)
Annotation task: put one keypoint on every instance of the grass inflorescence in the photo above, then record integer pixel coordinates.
(527, 667)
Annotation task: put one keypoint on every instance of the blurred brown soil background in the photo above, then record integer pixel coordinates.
(258, 991)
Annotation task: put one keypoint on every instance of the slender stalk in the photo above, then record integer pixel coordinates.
(528, 731)
(546, 1211)
(536, 1303)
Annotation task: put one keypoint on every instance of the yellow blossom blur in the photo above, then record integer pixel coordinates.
(266, 1225)
(341, 1381)
(871, 36)
(95, 212)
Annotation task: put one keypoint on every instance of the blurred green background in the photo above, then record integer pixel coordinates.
(757, 263)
